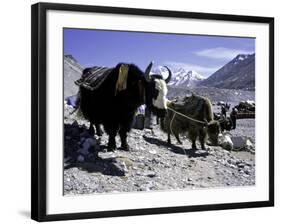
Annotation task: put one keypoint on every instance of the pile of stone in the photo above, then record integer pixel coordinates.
(79, 145)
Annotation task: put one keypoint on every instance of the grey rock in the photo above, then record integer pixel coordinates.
(232, 166)
(239, 142)
(152, 151)
(150, 174)
(225, 142)
(241, 165)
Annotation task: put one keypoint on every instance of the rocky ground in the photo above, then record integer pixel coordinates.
(152, 164)
(232, 96)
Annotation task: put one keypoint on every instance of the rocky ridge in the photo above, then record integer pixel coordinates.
(72, 72)
(239, 73)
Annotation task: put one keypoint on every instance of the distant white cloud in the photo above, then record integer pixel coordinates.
(221, 53)
(205, 71)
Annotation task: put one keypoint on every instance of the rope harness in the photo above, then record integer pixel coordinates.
(187, 117)
(195, 120)
(171, 130)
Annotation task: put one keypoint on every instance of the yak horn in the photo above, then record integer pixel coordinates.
(169, 76)
(147, 72)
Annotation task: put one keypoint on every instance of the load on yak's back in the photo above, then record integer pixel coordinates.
(194, 116)
(111, 96)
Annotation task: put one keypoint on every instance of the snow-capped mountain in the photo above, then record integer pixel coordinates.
(184, 78)
(240, 57)
(239, 73)
(181, 78)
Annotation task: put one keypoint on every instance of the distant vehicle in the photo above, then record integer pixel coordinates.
(246, 106)
(246, 109)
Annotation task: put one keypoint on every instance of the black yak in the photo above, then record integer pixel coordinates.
(114, 100)
(200, 110)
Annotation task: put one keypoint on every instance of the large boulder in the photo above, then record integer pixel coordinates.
(237, 143)
(225, 141)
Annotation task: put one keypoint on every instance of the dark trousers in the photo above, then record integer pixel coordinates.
(233, 119)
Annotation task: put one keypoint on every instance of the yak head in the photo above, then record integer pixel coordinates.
(156, 91)
(213, 130)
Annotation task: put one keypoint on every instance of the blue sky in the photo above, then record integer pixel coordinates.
(204, 54)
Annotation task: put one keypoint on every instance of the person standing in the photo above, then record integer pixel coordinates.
(233, 117)
(223, 111)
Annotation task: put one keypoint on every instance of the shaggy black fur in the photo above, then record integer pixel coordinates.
(116, 111)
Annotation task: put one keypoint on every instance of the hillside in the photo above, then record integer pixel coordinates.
(239, 73)
(72, 72)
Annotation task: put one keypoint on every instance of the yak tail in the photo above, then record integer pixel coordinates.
(165, 123)
(162, 124)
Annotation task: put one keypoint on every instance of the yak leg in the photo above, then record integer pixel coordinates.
(125, 127)
(202, 138)
(168, 132)
(91, 129)
(176, 135)
(193, 136)
(169, 135)
(178, 138)
(194, 145)
(169, 138)
(123, 136)
(98, 129)
(112, 132)
(111, 141)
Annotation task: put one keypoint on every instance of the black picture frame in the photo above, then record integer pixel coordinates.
(39, 122)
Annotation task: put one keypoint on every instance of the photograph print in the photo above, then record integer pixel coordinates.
(157, 111)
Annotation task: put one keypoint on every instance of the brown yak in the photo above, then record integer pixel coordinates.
(198, 121)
